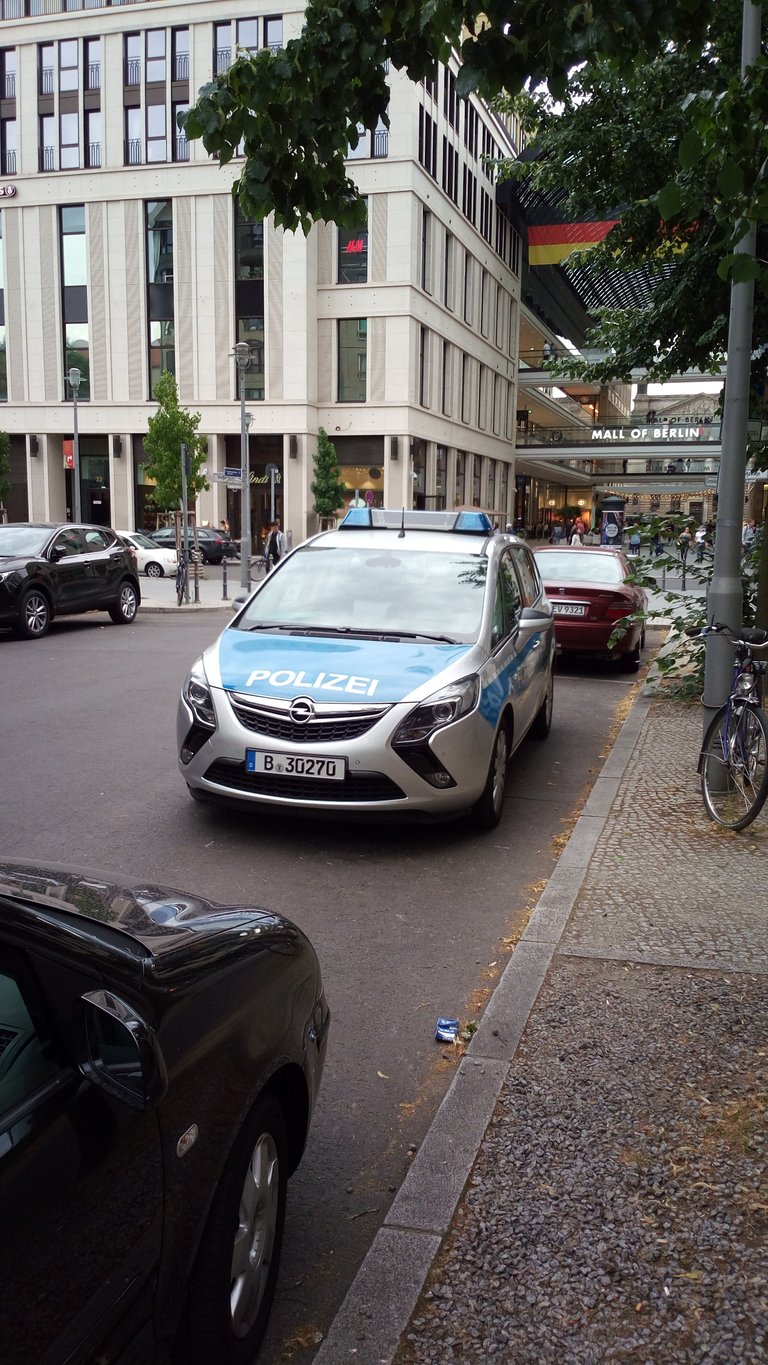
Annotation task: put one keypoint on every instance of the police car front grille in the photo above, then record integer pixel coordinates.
(355, 787)
(264, 720)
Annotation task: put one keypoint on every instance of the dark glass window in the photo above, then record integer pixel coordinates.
(93, 137)
(248, 34)
(47, 68)
(68, 74)
(249, 249)
(30, 1059)
(160, 242)
(273, 32)
(252, 331)
(92, 64)
(155, 54)
(352, 359)
(69, 146)
(134, 137)
(160, 302)
(133, 58)
(222, 48)
(8, 73)
(157, 133)
(181, 54)
(8, 135)
(352, 263)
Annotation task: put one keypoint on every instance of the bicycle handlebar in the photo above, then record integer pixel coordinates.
(748, 635)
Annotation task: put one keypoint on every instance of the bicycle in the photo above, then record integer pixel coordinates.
(733, 763)
(182, 573)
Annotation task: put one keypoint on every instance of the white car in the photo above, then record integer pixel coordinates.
(153, 560)
(391, 666)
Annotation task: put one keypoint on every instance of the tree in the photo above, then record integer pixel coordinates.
(327, 487)
(5, 470)
(296, 111)
(169, 428)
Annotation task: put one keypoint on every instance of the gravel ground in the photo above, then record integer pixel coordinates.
(618, 1207)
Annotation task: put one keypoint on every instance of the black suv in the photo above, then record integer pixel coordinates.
(51, 570)
(160, 1058)
(213, 545)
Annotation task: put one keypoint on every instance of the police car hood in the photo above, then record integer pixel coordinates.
(329, 669)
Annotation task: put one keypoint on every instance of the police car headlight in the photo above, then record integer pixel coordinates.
(444, 707)
(197, 695)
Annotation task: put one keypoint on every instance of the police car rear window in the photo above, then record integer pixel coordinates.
(339, 587)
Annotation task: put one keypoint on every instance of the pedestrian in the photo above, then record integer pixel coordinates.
(656, 542)
(748, 534)
(634, 540)
(684, 544)
(576, 534)
(275, 547)
(699, 541)
(557, 533)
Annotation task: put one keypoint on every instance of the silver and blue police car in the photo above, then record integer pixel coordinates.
(390, 666)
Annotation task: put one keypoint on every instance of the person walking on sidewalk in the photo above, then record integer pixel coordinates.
(275, 546)
(684, 545)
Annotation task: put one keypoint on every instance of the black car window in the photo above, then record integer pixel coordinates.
(96, 540)
(68, 542)
(527, 574)
(28, 1054)
(511, 589)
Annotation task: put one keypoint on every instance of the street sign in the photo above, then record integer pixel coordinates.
(229, 476)
(233, 472)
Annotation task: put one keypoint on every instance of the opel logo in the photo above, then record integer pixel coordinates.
(302, 710)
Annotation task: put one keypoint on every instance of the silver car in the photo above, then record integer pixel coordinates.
(390, 666)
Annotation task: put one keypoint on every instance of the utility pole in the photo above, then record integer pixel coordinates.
(724, 599)
(185, 515)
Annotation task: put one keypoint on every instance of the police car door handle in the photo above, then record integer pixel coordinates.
(535, 644)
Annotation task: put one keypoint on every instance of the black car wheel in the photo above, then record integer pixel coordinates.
(630, 662)
(34, 615)
(486, 812)
(127, 604)
(233, 1282)
(154, 570)
(543, 721)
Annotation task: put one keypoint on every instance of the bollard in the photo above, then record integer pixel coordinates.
(224, 592)
(197, 579)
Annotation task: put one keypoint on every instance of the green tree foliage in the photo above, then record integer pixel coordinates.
(297, 110)
(168, 429)
(5, 467)
(327, 487)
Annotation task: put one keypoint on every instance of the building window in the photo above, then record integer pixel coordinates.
(134, 137)
(248, 34)
(353, 359)
(3, 361)
(484, 302)
(461, 471)
(424, 367)
(92, 64)
(491, 486)
(470, 129)
(46, 68)
(252, 331)
(74, 275)
(352, 254)
(180, 141)
(222, 48)
(249, 249)
(68, 72)
(465, 387)
(426, 250)
(157, 133)
(481, 397)
(445, 400)
(469, 195)
(448, 272)
(468, 288)
(498, 330)
(181, 54)
(69, 144)
(8, 73)
(273, 33)
(48, 144)
(93, 138)
(155, 55)
(160, 304)
(8, 135)
(427, 142)
(476, 480)
(450, 101)
(441, 475)
(133, 59)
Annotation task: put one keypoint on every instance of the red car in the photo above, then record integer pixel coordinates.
(586, 586)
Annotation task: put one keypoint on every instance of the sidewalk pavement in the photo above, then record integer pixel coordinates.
(594, 1186)
(159, 594)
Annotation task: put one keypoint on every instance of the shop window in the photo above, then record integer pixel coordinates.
(352, 255)
(352, 359)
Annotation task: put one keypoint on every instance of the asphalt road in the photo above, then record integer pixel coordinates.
(409, 922)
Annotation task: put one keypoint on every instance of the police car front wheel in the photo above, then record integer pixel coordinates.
(486, 812)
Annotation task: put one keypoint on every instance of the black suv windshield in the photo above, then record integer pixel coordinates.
(22, 540)
(413, 592)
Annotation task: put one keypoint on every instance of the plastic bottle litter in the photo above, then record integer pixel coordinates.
(447, 1030)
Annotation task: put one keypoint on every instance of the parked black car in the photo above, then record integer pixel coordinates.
(49, 570)
(213, 545)
(160, 1057)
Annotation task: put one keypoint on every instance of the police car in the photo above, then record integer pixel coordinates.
(390, 666)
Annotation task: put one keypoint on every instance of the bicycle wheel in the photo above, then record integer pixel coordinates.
(181, 581)
(734, 766)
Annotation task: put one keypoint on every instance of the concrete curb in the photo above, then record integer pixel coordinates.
(378, 1306)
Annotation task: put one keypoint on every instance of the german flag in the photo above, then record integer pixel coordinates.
(553, 243)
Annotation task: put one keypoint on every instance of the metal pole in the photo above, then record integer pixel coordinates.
(724, 599)
(185, 515)
(77, 506)
(242, 354)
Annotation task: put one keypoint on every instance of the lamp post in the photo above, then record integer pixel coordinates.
(73, 379)
(242, 354)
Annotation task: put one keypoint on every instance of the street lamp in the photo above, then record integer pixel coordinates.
(242, 354)
(74, 378)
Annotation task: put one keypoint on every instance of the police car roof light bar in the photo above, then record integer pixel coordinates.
(395, 519)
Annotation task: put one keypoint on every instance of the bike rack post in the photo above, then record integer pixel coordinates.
(197, 579)
(224, 592)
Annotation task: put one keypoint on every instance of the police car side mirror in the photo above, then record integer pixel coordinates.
(534, 616)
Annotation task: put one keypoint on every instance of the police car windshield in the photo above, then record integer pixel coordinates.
(352, 588)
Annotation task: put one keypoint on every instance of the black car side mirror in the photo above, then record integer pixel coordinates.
(118, 1051)
(55, 554)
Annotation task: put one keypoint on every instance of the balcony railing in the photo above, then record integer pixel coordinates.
(93, 76)
(381, 142)
(134, 151)
(181, 149)
(9, 161)
(133, 71)
(33, 9)
(46, 80)
(181, 66)
(94, 155)
(48, 159)
(222, 60)
(9, 85)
